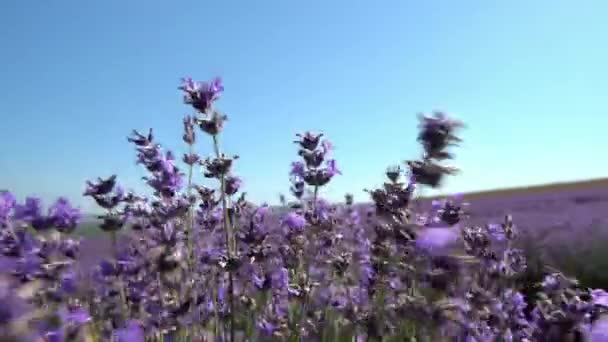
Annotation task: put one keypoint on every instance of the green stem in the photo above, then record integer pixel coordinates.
(314, 198)
(229, 238)
(190, 216)
(302, 313)
(216, 325)
(121, 289)
(190, 231)
(227, 227)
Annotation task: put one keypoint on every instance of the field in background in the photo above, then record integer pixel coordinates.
(564, 225)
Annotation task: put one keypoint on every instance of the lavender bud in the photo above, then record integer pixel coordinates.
(393, 173)
(232, 185)
(102, 187)
(191, 159)
(429, 173)
(201, 95)
(349, 199)
(189, 136)
(213, 125)
(141, 140)
(308, 140)
(218, 166)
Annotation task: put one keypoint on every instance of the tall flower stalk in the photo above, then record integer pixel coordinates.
(201, 96)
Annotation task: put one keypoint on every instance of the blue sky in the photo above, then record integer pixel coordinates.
(529, 78)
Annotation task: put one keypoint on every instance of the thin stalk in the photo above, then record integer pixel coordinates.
(216, 323)
(121, 289)
(190, 215)
(229, 238)
(190, 231)
(227, 227)
(314, 198)
(306, 273)
(231, 299)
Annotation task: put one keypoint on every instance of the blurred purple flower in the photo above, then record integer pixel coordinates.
(294, 221)
(496, 231)
(309, 140)
(68, 283)
(261, 282)
(233, 184)
(326, 146)
(261, 213)
(297, 169)
(30, 210)
(332, 168)
(550, 283)
(354, 218)
(600, 297)
(189, 136)
(437, 240)
(54, 336)
(280, 278)
(7, 203)
(101, 187)
(64, 216)
(77, 315)
(599, 330)
(266, 327)
(133, 332)
(438, 132)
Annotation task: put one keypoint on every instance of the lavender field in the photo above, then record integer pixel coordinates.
(564, 224)
(202, 263)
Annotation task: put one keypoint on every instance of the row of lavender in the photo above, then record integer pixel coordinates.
(193, 263)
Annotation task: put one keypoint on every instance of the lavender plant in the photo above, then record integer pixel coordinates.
(195, 262)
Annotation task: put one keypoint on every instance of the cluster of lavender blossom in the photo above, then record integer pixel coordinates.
(199, 263)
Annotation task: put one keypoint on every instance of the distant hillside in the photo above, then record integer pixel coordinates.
(550, 187)
(495, 193)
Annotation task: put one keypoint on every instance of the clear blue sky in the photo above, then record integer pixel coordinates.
(530, 79)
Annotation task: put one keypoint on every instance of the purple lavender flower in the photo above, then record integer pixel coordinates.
(7, 203)
(201, 95)
(332, 169)
(326, 146)
(30, 210)
(437, 133)
(600, 297)
(65, 217)
(280, 278)
(297, 169)
(496, 232)
(55, 336)
(133, 332)
(189, 136)
(437, 240)
(191, 158)
(31, 213)
(101, 187)
(233, 185)
(294, 221)
(69, 283)
(309, 140)
(313, 159)
(550, 283)
(266, 328)
(75, 315)
(599, 330)
(261, 213)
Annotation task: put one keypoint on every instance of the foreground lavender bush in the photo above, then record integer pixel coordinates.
(198, 263)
